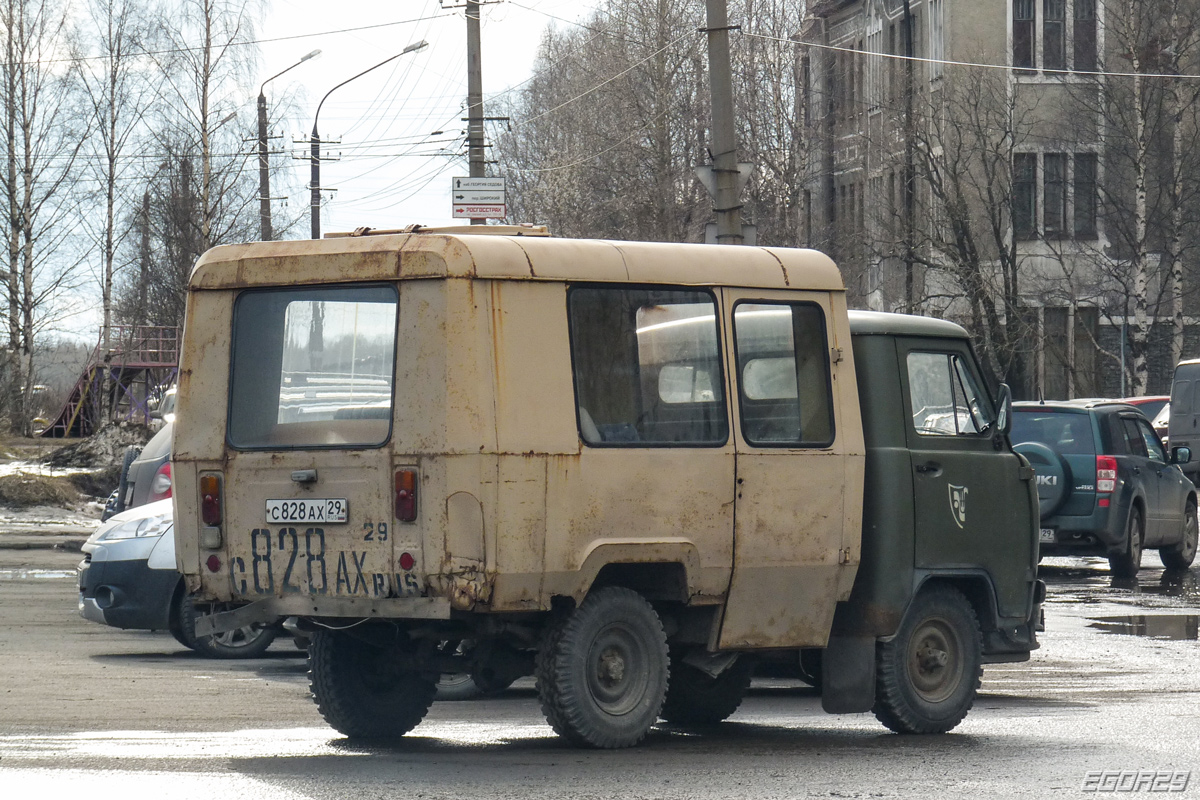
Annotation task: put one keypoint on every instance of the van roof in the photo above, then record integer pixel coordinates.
(510, 257)
(882, 323)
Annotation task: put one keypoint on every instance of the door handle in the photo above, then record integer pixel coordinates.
(304, 476)
(1137, 470)
(931, 468)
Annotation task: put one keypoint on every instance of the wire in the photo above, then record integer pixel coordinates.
(974, 64)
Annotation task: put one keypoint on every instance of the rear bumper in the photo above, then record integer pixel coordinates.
(348, 608)
(1100, 532)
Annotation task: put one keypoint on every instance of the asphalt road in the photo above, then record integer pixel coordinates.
(87, 711)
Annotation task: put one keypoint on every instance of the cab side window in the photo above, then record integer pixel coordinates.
(783, 374)
(647, 367)
(1153, 446)
(1135, 443)
(944, 395)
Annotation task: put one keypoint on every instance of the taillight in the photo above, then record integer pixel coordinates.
(210, 499)
(1106, 474)
(406, 495)
(160, 486)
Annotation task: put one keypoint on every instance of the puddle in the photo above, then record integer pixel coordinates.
(1154, 626)
(36, 574)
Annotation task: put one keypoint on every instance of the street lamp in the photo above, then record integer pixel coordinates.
(264, 180)
(315, 139)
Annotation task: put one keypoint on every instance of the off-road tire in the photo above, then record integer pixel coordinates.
(927, 676)
(696, 698)
(250, 641)
(1127, 563)
(1181, 555)
(602, 670)
(360, 690)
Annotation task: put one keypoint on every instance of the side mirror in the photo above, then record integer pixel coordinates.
(156, 414)
(1004, 410)
(1181, 455)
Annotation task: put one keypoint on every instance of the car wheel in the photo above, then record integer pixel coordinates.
(1127, 564)
(457, 686)
(1183, 554)
(602, 670)
(250, 641)
(361, 690)
(928, 673)
(696, 698)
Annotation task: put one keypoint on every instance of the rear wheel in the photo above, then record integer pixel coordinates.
(928, 674)
(696, 698)
(250, 641)
(1181, 555)
(361, 690)
(602, 670)
(1127, 564)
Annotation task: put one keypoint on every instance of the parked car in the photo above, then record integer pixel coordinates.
(145, 474)
(1183, 425)
(127, 579)
(1161, 425)
(163, 411)
(1106, 485)
(1149, 404)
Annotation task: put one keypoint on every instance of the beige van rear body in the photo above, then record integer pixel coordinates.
(514, 508)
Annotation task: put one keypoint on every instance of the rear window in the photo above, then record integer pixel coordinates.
(1063, 431)
(312, 367)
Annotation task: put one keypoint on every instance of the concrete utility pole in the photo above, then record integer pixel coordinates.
(475, 150)
(727, 205)
(264, 177)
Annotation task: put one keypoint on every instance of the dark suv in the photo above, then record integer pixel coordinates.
(1106, 486)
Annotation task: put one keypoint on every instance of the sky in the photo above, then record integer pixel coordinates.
(393, 169)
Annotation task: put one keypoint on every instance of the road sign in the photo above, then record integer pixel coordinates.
(480, 211)
(478, 184)
(477, 197)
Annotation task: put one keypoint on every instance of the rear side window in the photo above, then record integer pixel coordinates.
(647, 367)
(312, 367)
(1063, 431)
(783, 374)
(944, 396)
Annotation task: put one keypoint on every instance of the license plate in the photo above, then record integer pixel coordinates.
(1047, 536)
(310, 510)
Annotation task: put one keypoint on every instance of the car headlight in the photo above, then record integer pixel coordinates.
(136, 528)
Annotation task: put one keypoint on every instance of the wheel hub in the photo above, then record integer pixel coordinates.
(611, 669)
(935, 661)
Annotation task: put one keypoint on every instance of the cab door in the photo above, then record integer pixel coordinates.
(791, 517)
(972, 508)
(307, 473)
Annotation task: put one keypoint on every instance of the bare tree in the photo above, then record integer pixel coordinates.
(42, 138)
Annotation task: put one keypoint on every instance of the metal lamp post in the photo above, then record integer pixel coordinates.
(264, 179)
(315, 139)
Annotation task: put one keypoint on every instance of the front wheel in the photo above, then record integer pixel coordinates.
(1181, 555)
(928, 674)
(1127, 564)
(362, 691)
(602, 670)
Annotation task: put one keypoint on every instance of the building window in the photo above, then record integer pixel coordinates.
(937, 40)
(1024, 207)
(1085, 35)
(1067, 189)
(1055, 195)
(1050, 44)
(1023, 34)
(1054, 34)
(1085, 196)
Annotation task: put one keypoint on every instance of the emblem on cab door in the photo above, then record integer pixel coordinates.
(958, 504)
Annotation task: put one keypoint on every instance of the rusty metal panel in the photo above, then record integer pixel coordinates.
(411, 256)
(535, 398)
(672, 501)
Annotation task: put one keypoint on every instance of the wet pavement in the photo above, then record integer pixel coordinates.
(97, 712)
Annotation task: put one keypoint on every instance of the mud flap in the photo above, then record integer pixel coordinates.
(848, 675)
